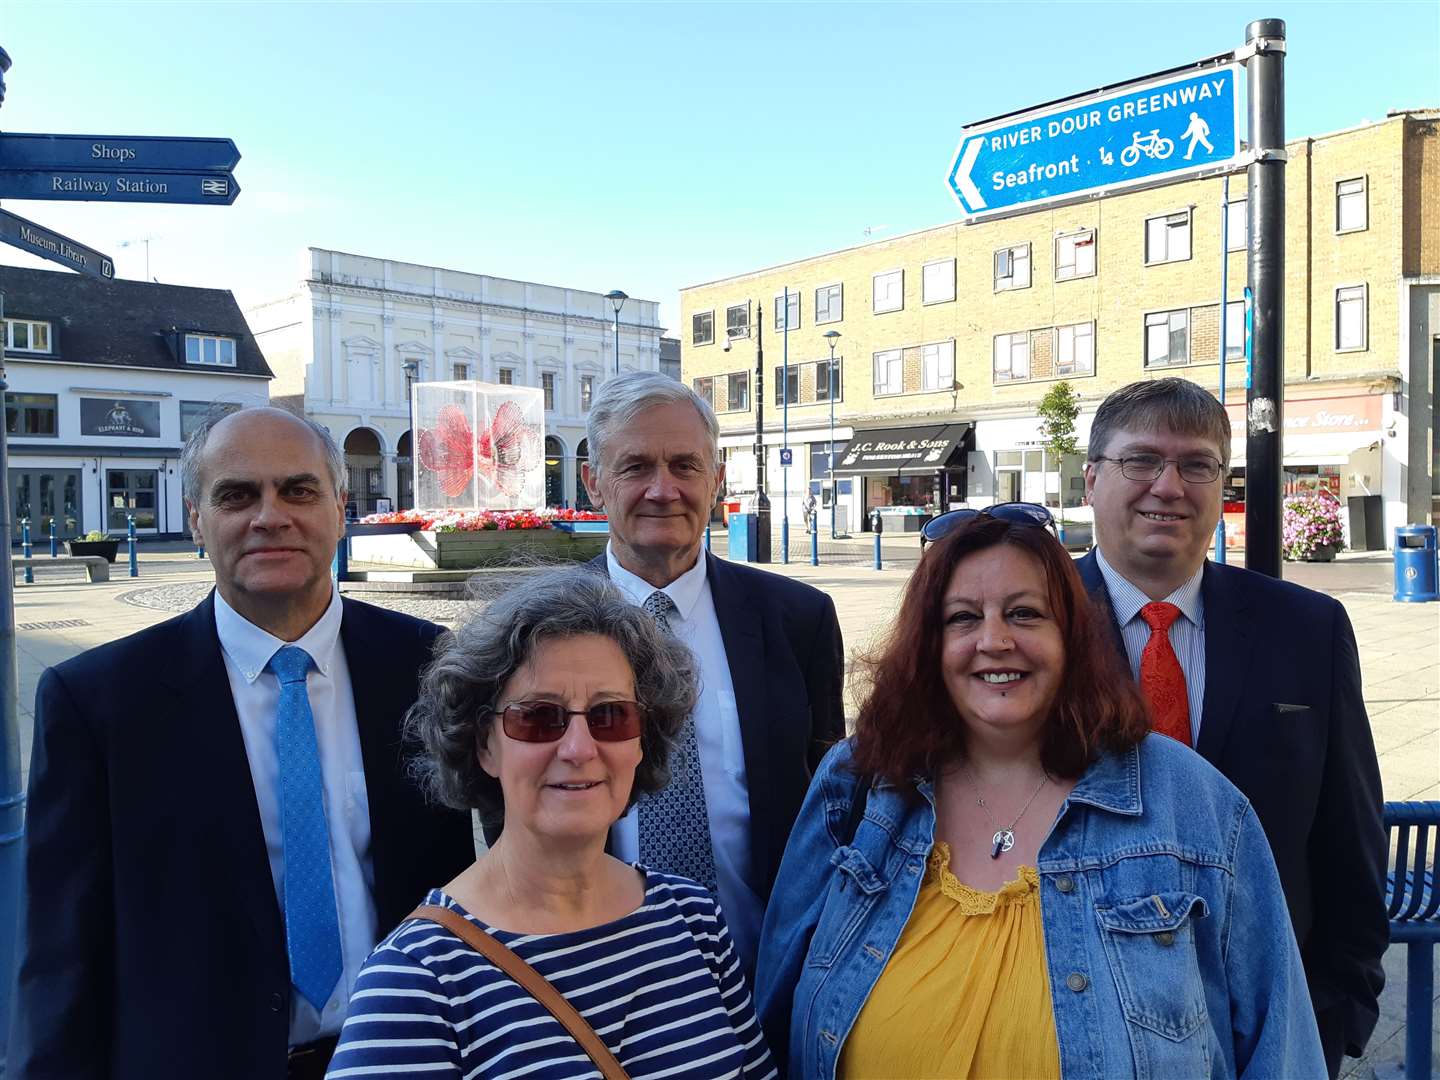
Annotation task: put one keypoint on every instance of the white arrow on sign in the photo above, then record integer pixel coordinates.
(968, 190)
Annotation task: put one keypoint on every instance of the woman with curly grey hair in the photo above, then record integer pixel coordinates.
(551, 712)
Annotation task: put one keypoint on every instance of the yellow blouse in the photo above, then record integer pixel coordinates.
(965, 993)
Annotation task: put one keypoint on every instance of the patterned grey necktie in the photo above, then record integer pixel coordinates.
(674, 826)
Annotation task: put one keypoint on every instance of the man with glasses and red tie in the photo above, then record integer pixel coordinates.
(1260, 676)
(221, 825)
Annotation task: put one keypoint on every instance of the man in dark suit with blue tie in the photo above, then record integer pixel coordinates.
(769, 650)
(1262, 677)
(220, 823)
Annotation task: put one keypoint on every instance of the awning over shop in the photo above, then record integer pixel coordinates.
(895, 451)
(1313, 448)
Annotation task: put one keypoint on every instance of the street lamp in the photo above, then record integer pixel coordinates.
(411, 369)
(832, 338)
(617, 301)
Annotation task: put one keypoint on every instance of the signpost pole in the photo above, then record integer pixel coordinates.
(1224, 333)
(785, 433)
(762, 501)
(1264, 398)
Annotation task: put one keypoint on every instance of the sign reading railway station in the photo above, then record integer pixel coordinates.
(1146, 132)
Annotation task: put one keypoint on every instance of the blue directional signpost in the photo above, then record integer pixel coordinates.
(118, 168)
(1143, 133)
(48, 244)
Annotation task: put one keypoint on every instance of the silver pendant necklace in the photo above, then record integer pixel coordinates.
(1004, 838)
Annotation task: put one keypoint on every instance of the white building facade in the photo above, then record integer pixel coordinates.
(345, 346)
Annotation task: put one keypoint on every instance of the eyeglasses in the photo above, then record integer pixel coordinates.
(547, 721)
(1147, 467)
(1015, 513)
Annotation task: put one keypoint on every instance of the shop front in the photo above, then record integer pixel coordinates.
(909, 474)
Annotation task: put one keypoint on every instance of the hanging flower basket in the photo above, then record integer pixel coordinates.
(1311, 529)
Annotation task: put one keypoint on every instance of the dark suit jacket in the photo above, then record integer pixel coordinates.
(782, 642)
(1284, 720)
(151, 943)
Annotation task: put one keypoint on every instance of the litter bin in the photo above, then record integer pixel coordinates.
(1415, 563)
(744, 537)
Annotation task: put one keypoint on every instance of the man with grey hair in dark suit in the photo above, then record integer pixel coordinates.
(221, 826)
(769, 650)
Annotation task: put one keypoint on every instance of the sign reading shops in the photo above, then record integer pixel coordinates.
(126, 418)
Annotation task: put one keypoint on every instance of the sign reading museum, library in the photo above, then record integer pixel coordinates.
(1154, 131)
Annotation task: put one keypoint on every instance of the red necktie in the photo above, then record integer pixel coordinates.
(1162, 682)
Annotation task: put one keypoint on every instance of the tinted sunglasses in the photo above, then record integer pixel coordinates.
(547, 721)
(1014, 513)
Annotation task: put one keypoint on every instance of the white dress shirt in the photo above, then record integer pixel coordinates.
(256, 692)
(1187, 633)
(722, 755)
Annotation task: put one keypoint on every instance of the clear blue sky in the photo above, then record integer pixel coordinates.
(643, 146)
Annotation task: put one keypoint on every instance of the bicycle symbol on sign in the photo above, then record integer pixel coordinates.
(1152, 146)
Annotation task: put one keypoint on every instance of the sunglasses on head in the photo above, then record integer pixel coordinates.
(1014, 513)
(547, 721)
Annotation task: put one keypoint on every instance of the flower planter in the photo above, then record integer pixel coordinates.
(499, 547)
(1322, 553)
(106, 549)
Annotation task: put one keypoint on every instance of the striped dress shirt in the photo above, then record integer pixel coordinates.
(1187, 634)
(662, 987)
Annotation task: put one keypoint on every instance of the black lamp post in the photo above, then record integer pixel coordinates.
(832, 338)
(411, 369)
(617, 301)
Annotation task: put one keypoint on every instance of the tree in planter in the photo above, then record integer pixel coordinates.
(1057, 411)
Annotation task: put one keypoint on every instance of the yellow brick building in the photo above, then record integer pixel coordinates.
(949, 337)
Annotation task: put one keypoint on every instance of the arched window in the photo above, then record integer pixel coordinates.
(554, 476)
(582, 455)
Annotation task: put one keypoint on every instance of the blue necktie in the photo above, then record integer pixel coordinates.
(312, 929)
(674, 823)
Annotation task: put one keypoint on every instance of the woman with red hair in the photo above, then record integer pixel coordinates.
(1005, 874)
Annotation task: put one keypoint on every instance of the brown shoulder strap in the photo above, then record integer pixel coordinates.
(531, 981)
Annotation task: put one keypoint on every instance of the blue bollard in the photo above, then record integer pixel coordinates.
(26, 550)
(877, 551)
(54, 544)
(340, 565)
(200, 552)
(130, 540)
(707, 536)
(814, 539)
(785, 540)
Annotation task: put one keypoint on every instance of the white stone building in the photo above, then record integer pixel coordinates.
(342, 344)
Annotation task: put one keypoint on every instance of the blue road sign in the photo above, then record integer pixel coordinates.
(1143, 133)
(48, 244)
(787, 456)
(117, 153)
(160, 187)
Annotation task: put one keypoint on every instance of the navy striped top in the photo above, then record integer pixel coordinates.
(662, 987)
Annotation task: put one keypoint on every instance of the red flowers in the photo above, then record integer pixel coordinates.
(480, 520)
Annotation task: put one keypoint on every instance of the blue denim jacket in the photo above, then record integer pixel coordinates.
(1169, 946)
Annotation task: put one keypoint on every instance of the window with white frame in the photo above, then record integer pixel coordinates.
(888, 291)
(1075, 255)
(829, 304)
(702, 328)
(1234, 329)
(890, 372)
(587, 392)
(738, 398)
(1351, 211)
(1350, 320)
(937, 282)
(793, 311)
(209, 351)
(547, 385)
(706, 389)
(1237, 224)
(1075, 349)
(787, 385)
(937, 366)
(26, 335)
(1167, 238)
(737, 321)
(1012, 268)
(1012, 357)
(460, 372)
(1167, 338)
(826, 388)
(505, 376)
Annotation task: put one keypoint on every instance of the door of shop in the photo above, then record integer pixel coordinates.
(130, 492)
(42, 496)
